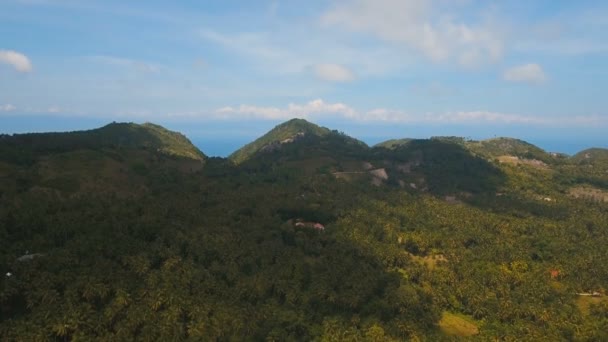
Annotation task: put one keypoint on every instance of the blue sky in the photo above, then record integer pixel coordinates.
(224, 72)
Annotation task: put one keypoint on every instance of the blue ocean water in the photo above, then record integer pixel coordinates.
(220, 147)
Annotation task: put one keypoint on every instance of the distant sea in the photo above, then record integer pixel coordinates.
(570, 147)
(220, 147)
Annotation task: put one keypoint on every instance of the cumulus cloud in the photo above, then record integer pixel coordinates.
(311, 109)
(320, 109)
(527, 73)
(420, 25)
(18, 61)
(7, 108)
(333, 73)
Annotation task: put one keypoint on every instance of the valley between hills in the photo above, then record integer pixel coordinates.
(129, 232)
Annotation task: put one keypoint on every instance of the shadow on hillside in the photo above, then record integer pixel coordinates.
(447, 168)
(453, 173)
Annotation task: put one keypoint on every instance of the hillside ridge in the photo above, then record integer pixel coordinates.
(115, 135)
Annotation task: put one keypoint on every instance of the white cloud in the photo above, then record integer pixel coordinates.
(17, 60)
(333, 73)
(528, 73)
(311, 109)
(420, 25)
(7, 108)
(321, 109)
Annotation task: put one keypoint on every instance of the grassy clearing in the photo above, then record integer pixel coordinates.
(458, 325)
(584, 303)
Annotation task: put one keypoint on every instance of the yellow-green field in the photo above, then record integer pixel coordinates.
(458, 325)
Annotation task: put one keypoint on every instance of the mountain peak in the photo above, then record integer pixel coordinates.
(286, 132)
(301, 126)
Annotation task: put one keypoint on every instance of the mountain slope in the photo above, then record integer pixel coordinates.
(497, 147)
(591, 156)
(287, 132)
(115, 135)
(119, 158)
(113, 242)
(393, 143)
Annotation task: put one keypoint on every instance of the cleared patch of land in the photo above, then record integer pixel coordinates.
(458, 325)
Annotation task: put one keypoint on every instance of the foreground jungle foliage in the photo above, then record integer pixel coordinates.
(128, 232)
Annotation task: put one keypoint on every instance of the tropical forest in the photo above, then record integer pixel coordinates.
(129, 232)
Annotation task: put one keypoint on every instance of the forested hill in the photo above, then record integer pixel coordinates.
(495, 147)
(128, 232)
(592, 156)
(289, 132)
(114, 135)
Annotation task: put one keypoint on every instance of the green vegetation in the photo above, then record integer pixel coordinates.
(122, 233)
(591, 156)
(507, 146)
(393, 143)
(458, 325)
(282, 136)
(25, 148)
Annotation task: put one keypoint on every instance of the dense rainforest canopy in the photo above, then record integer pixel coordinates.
(128, 232)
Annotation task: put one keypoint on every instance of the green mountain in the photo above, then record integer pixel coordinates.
(115, 135)
(127, 232)
(117, 157)
(591, 156)
(393, 143)
(288, 133)
(491, 148)
(508, 146)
